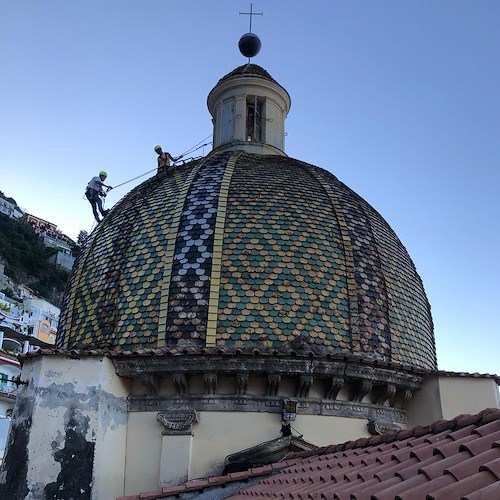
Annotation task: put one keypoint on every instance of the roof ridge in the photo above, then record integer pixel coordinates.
(483, 417)
(447, 373)
(205, 482)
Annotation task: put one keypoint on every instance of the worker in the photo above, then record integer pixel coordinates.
(94, 193)
(164, 159)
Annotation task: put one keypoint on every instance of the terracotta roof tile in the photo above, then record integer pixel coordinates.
(463, 469)
(460, 488)
(444, 460)
(487, 493)
(459, 458)
(149, 495)
(493, 467)
(486, 429)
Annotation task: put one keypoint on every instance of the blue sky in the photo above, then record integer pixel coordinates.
(399, 99)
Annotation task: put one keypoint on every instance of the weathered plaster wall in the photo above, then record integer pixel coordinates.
(144, 441)
(216, 435)
(68, 427)
(71, 435)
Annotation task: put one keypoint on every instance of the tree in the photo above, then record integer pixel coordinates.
(82, 238)
(81, 241)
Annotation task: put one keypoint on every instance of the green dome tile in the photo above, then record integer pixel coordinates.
(291, 234)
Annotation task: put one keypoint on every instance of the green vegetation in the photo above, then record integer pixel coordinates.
(25, 259)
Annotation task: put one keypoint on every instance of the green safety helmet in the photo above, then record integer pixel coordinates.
(103, 173)
(157, 148)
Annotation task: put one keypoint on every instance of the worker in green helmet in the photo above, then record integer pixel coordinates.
(164, 159)
(95, 192)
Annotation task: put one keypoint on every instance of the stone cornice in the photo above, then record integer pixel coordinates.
(225, 352)
(318, 368)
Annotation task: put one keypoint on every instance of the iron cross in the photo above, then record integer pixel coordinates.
(251, 13)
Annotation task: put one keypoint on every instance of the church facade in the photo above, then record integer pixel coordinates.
(225, 313)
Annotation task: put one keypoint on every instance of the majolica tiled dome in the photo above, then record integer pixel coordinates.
(241, 249)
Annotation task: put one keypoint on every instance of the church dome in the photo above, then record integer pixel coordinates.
(245, 250)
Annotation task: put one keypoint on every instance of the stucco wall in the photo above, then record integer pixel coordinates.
(71, 431)
(467, 395)
(216, 435)
(446, 397)
(68, 432)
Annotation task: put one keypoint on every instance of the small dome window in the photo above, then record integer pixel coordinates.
(254, 128)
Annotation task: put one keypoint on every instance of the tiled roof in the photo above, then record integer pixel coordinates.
(197, 485)
(447, 460)
(248, 70)
(248, 250)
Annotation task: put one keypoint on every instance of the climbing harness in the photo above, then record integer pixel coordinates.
(197, 146)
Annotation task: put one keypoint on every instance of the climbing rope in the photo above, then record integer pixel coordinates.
(197, 146)
(133, 179)
(189, 151)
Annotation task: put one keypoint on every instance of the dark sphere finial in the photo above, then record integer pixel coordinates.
(249, 44)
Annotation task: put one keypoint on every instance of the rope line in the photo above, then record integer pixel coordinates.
(133, 179)
(191, 150)
(197, 146)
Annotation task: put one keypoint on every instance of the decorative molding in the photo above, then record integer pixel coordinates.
(178, 422)
(210, 382)
(304, 386)
(264, 404)
(132, 367)
(273, 384)
(151, 382)
(333, 388)
(370, 389)
(379, 427)
(384, 393)
(241, 383)
(359, 389)
(180, 382)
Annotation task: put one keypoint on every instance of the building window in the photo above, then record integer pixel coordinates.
(254, 118)
(3, 381)
(227, 122)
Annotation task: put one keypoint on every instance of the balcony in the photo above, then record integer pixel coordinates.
(11, 346)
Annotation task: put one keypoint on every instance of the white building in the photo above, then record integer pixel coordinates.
(10, 209)
(42, 319)
(63, 257)
(12, 343)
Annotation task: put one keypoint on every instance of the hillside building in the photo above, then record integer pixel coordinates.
(42, 226)
(10, 209)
